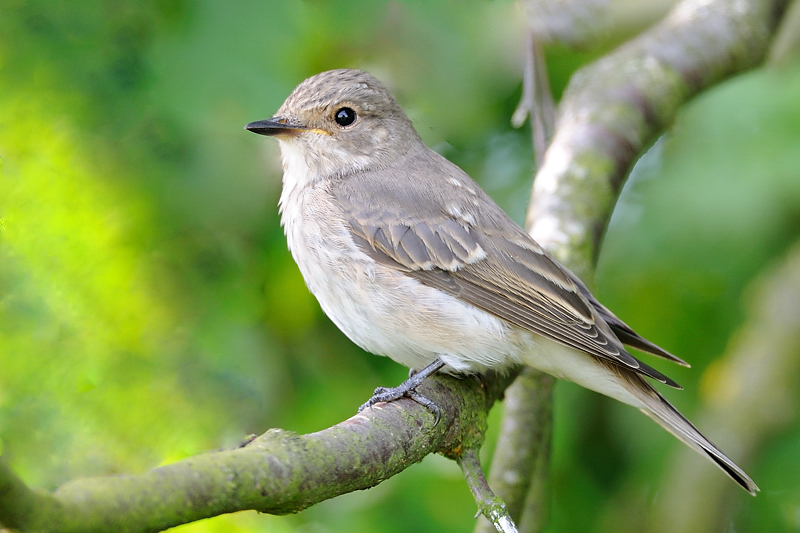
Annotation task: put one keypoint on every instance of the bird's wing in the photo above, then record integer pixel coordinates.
(623, 331)
(493, 265)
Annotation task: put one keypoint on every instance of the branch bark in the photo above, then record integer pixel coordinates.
(490, 506)
(611, 110)
(279, 472)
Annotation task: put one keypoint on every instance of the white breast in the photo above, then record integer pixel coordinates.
(377, 307)
(389, 313)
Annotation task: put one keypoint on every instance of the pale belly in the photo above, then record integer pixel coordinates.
(389, 313)
(385, 311)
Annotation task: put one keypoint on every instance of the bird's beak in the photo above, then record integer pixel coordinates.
(275, 126)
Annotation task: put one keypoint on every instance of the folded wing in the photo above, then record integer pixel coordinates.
(499, 270)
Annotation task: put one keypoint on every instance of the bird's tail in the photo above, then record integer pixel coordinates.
(628, 386)
(663, 412)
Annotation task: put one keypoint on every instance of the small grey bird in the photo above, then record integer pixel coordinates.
(411, 259)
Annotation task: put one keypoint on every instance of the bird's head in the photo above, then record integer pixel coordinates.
(339, 122)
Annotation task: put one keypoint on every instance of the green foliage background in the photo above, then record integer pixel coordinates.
(149, 310)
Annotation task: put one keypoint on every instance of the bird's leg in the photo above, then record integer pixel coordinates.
(408, 388)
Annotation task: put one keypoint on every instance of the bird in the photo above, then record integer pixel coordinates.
(411, 259)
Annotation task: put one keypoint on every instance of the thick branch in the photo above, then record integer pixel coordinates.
(279, 472)
(614, 107)
(611, 110)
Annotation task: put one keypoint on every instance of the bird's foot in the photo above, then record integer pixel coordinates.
(408, 389)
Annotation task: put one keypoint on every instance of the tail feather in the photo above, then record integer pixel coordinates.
(663, 412)
(630, 387)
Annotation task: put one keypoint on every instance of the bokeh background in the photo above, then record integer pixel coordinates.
(149, 309)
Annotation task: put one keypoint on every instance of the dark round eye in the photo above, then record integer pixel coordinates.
(344, 116)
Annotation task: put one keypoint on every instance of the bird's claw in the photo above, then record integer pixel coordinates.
(387, 394)
(408, 389)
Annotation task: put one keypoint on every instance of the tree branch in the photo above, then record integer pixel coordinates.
(492, 507)
(279, 472)
(521, 460)
(611, 110)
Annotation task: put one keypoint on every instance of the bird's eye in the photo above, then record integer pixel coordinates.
(344, 116)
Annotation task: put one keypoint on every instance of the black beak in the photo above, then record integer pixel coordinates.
(274, 126)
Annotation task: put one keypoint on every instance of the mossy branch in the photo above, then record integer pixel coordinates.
(279, 472)
(615, 107)
(609, 113)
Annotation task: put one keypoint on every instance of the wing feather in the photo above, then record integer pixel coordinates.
(493, 265)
